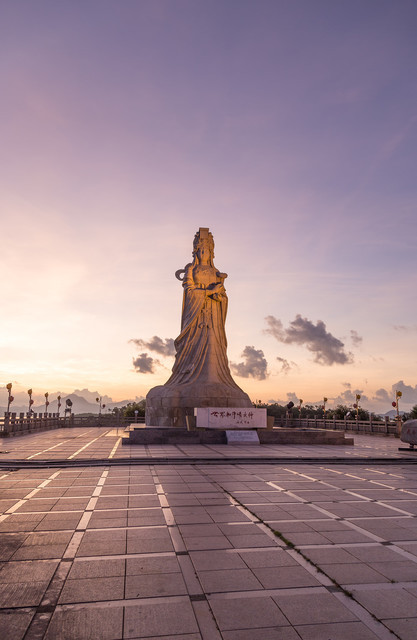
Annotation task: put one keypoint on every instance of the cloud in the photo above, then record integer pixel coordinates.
(355, 338)
(409, 392)
(348, 397)
(410, 328)
(292, 397)
(285, 365)
(382, 395)
(327, 349)
(255, 365)
(157, 345)
(144, 363)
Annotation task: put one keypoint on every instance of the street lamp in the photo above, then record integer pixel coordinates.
(59, 404)
(356, 405)
(101, 406)
(324, 407)
(398, 395)
(10, 397)
(30, 401)
(299, 408)
(46, 404)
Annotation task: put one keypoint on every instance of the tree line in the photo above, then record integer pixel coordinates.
(278, 411)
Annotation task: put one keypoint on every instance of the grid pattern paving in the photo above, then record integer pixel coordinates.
(207, 551)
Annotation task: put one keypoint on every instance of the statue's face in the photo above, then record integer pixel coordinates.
(203, 254)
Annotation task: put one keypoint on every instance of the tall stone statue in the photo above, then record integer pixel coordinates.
(200, 375)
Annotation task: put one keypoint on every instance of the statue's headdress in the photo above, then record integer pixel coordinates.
(203, 236)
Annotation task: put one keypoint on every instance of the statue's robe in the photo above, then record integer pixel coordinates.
(201, 347)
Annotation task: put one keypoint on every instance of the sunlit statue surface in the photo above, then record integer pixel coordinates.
(200, 375)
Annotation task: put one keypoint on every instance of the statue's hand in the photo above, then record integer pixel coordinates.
(216, 287)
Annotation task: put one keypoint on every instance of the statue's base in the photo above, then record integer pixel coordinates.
(280, 435)
(168, 405)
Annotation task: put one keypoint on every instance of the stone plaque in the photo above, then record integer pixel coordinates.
(236, 436)
(230, 418)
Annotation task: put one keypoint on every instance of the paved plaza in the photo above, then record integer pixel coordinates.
(182, 543)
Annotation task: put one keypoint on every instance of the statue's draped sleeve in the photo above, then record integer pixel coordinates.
(192, 302)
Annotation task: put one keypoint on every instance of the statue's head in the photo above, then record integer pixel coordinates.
(203, 241)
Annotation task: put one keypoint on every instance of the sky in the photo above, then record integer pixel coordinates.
(288, 127)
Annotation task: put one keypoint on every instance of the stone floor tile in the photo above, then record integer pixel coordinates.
(247, 613)
(30, 571)
(285, 577)
(97, 568)
(143, 501)
(92, 590)
(228, 580)
(313, 608)
(405, 628)
(106, 503)
(218, 559)
(39, 552)
(210, 542)
(398, 571)
(345, 537)
(181, 636)
(156, 564)
(330, 555)
(182, 500)
(192, 530)
(357, 573)
(229, 515)
(375, 553)
(387, 603)
(135, 520)
(156, 619)
(303, 538)
(106, 523)
(102, 547)
(13, 623)
(21, 594)
(254, 540)
(10, 543)
(267, 558)
(154, 585)
(336, 631)
(85, 624)
(272, 633)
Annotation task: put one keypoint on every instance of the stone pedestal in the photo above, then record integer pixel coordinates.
(167, 406)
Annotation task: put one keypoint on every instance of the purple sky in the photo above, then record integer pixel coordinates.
(288, 127)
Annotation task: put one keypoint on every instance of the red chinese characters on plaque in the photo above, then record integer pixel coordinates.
(230, 418)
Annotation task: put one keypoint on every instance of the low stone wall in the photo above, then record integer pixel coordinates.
(166, 435)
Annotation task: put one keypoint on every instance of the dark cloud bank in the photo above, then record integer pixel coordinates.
(156, 345)
(326, 348)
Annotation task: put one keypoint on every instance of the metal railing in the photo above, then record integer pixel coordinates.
(371, 426)
(18, 424)
(13, 424)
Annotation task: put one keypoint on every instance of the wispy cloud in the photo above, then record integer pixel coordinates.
(410, 328)
(254, 365)
(286, 365)
(327, 349)
(355, 338)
